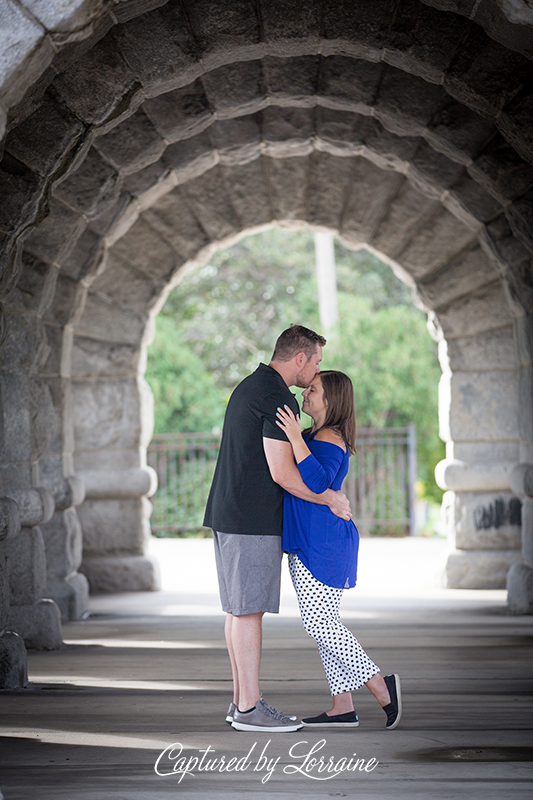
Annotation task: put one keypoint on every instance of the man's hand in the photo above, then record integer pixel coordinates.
(339, 504)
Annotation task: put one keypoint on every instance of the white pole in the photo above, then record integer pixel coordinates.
(326, 281)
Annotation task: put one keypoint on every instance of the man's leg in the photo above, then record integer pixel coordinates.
(244, 639)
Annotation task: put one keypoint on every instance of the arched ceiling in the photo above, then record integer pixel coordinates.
(403, 125)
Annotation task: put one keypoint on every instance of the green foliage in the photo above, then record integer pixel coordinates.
(185, 396)
(224, 318)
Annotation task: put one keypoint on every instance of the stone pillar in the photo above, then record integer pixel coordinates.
(478, 411)
(13, 657)
(114, 421)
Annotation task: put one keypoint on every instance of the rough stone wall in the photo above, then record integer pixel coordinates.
(139, 135)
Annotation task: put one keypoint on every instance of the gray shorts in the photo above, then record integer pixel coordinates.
(249, 572)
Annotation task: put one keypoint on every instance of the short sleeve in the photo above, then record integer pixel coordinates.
(271, 429)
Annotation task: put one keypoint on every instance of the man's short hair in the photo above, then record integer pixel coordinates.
(294, 340)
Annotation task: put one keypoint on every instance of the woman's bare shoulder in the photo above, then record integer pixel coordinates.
(329, 435)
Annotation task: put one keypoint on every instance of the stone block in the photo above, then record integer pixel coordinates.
(26, 563)
(489, 350)
(107, 322)
(479, 405)
(358, 30)
(171, 216)
(68, 303)
(190, 158)
(527, 528)
(433, 245)
(483, 74)
(129, 9)
(13, 662)
(146, 250)
(477, 452)
(287, 180)
(21, 191)
(248, 192)
(237, 141)
(96, 359)
(480, 569)
(235, 89)
(16, 434)
(462, 476)
(518, 287)
(35, 287)
(405, 103)
(386, 149)
(457, 131)
(85, 258)
(515, 125)
(478, 203)
(366, 203)
(500, 243)
(143, 181)
(114, 527)
(487, 521)
(349, 84)
(525, 418)
(107, 414)
(520, 589)
(38, 625)
(467, 272)
(119, 484)
(181, 113)
(132, 145)
(59, 133)
(328, 185)
(71, 596)
(292, 81)
(66, 490)
(56, 236)
(93, 187)
(432, 172)
(290, 28)
(520, 216)
(125, 285)
(225, 33)
(207, 197)
(523, 328)
(117, 459)
(501, 171)
(174, 62)
(508, 22)
(26, 52)
(25, 346)
(287, 131)
(408, 211)
(63, 544)
(110, 574)
(116, 220)
(9, 522)
(423, 43)
(100, 86)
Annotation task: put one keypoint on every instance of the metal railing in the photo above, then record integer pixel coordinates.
(379, 484)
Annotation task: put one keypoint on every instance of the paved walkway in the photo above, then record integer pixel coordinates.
(147, 670)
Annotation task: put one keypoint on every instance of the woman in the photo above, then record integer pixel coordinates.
(323, 549)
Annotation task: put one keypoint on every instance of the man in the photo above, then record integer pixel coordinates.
(245, 511)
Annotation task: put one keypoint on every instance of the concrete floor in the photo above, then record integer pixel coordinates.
(147, 670)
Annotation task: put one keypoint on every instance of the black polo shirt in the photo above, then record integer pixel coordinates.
(243, 496)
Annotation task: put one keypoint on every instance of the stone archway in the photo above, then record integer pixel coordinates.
(403, 126)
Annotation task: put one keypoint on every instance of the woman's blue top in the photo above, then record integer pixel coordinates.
(326, 544)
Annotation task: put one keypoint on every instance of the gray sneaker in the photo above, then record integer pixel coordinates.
(264, 718)
(233, 708)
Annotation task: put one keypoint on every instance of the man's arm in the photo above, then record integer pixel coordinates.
(280, 459)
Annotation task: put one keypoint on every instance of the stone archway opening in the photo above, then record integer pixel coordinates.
(142, 135)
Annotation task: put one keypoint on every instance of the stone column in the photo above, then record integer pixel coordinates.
(114, 421)
(478, 411)
(13, 657)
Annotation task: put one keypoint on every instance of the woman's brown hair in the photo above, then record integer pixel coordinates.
(340, 413)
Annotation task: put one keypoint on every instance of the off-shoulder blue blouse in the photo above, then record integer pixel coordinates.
(324, 543)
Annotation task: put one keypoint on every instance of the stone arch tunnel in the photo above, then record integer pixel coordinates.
(139, 135)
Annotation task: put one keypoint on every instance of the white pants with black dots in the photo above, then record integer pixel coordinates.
(346, 664)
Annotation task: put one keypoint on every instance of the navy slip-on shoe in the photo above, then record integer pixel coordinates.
(393, 710)
(348, 720)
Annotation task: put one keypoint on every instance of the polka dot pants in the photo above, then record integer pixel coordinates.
(346, 664)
